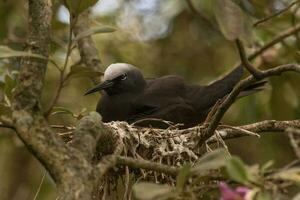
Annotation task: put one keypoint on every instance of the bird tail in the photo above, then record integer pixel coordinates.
(225, 84)
(205, 97)
(232, 78)
(253, 88)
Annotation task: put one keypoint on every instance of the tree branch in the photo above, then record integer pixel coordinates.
(229, 100)
(62, 76)
(275, 14)
(258, 127)
(68, 167)
(6, 123)
(6, 126)
(87, 134)
(281, 36)
(244, 60)
(87, 48)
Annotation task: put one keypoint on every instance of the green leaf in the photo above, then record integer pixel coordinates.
(6, 52)
(10, 84)
(2, 85)
(204, 7)
(266, 166)
(263, 196)
(61, 110)
(182, 177)
(229, 17)
(151, 191)
(247, 35)
(237, 170)
(95, 116)
(209, 161)
(95, 30)
(78, 6)
(82, 71)
(5, 110)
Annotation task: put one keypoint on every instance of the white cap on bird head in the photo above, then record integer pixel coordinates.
(116, 69)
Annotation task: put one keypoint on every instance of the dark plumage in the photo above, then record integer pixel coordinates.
(127, 96)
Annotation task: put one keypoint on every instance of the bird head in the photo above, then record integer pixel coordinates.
(120, 78)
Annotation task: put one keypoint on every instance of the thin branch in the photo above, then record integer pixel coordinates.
(239, 129)
(275, 14)
(294, 22)
(63, 78)
(6, 126)
(69, 128)
(281, 36)
(244, 60)
(235, 92)
(40, 185)
(86, 46)
(258, 127)
(213, 111)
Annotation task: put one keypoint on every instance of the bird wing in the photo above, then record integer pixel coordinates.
(141, 111)
(163, 98)
(163, 92)
(156, 116)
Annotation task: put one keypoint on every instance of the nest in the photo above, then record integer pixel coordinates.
(172, 146)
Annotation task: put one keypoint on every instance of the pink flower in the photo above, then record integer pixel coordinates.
(229, 194)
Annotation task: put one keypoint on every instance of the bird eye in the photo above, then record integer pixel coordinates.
(124, 77)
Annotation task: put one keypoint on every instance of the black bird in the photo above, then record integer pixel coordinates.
(127, 96)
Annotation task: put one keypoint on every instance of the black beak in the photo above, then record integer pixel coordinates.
(101, 86)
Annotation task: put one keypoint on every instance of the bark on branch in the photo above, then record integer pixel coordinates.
(267, 126)
(68, 166)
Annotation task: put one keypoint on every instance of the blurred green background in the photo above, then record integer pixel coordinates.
(159, 37)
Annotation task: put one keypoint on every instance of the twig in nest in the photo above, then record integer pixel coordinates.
(170, 124)
(63, 127)
(220, 139)
(208, 149)
(126, 185)
(145, 164)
